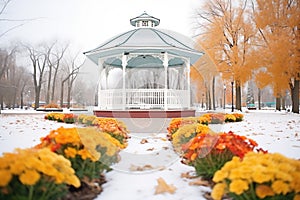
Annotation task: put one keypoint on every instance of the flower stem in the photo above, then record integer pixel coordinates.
(31, 189)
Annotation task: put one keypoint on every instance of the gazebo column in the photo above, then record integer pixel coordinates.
(124, 64)
(188, 63)
(100, 65)
(166, 64)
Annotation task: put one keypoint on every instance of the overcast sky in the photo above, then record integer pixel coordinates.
(88, 23)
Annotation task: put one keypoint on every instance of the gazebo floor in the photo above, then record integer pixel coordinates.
(145, 113)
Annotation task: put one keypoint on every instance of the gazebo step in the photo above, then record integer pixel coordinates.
(145, 113)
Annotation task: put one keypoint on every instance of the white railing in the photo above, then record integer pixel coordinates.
(143, 99)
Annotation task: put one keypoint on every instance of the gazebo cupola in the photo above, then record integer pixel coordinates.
(144, 70)
(144, 21)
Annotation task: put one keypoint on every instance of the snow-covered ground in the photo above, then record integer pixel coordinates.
(149, 156)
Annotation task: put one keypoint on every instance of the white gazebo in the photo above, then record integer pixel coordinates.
(145, 70)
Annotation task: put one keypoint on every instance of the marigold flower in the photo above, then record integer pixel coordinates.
(263, 191)
(280, 187)
(29, 177)
(70, 152)
(295, 183)
(218, 191)
(84, 153)
(261, 174)
(220, 175)
(73, 180)
(17, 168)
(238, 186)
(6, 176)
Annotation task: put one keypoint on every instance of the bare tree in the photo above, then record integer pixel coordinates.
(55, 63)
(48, 52)
(39, 64)
(7, 69)
(72, 72)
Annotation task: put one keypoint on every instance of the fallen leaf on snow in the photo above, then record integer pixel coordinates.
(163, 187)
(150, 149)
(144, 141)
(188, 175)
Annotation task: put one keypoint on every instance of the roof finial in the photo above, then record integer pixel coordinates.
(144, 21)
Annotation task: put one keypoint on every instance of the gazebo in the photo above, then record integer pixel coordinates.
(145, 72)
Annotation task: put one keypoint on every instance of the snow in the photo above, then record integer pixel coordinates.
(150, 156)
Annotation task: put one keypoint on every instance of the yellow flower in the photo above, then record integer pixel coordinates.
(283, 176)
(70, 152)
(285, 167)
(5, 177)
(17, 168)
(73, 180)
(220, 175)
(29, 177)
(280, 187)
(218, 191)
(202, 129)
(238, 186)
(295, 183)
(261, 174)
(84, 153)
(238, 173)
(49, 170)
(234, 163)
(3, 163)
(263, 190)
(92, 140)
(59, 178)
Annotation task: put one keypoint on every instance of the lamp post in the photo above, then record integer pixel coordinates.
(232, 108)
(224, 96)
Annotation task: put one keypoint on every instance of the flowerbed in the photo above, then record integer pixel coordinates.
(259, 176)
(69, 163)
(35, 174)
(238, 168)
(205, 119)
(115, 128)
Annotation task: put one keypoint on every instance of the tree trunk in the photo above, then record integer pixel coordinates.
(295, 97)
(49, 85)
(283, 102)
(259, 99)
(238, 97)
(2, 102)
(62, 94)
(53, 83)
(69, 96)
(22, 101)
(37, 98)
(278, 103)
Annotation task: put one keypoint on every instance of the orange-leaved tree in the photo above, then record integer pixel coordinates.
(226, 31)
(278, 22)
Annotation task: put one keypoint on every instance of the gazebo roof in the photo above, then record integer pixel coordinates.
(147, 41)
(144, 41)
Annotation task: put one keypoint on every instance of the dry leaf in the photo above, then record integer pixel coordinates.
(144, 141)
(187, 175)
(150, 149)
(163, 187)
